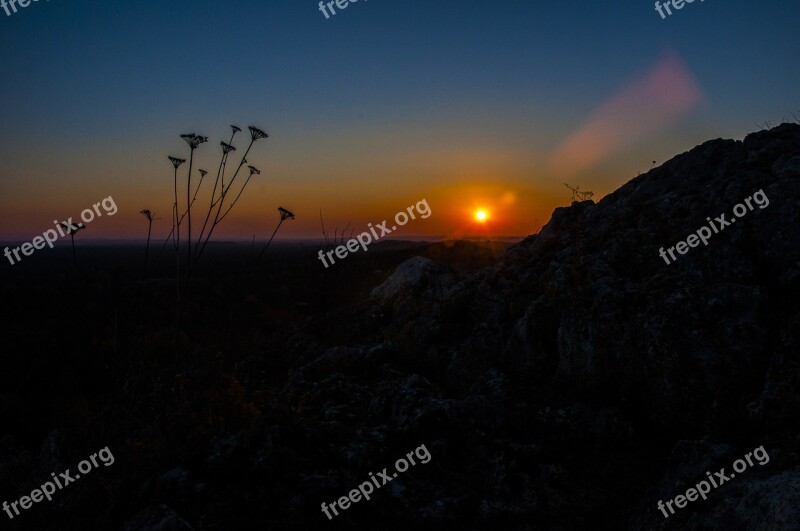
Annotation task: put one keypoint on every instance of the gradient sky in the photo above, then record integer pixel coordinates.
(464, 104)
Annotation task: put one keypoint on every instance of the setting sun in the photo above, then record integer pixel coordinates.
(481, 215)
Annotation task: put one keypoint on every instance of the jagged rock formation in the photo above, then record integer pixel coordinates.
(581, 379)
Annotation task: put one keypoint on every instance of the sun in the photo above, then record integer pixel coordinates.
(481, 215)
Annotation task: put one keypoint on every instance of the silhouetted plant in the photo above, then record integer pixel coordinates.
(578, 271)
(285, 214)
(651, 167)
(227, 147)
(253, 171)
(577, 195)
(176, 228)
(203, 173)
(332, 243)
(255, 134)
(150, 219)
(194, 141)
(71, 230)
(330, 275)
(767, 124)
(176, 232)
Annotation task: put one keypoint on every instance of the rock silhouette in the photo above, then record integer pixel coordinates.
(581, 379)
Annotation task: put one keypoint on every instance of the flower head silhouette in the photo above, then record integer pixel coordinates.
(71, 228)
(194, 140)
(256, 133)
(176, 229)
(227, 186)
(285, 214)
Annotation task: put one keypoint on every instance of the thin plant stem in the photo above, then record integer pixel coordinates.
(220, 172)
(177, 238)
(223, 193)
(147, 248)
(74, 254)
(189, 214)
(176, 227)
(172, 230)
(177, 268)
(169, 237)
(237, 198)
(264, 250)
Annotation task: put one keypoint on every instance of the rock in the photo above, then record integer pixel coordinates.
(419, 276)
(157, 518)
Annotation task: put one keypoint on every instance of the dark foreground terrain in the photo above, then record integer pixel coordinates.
(571, 381)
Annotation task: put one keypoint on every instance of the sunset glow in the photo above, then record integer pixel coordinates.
(490, 129)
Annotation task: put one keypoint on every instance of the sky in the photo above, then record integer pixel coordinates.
(468, 105)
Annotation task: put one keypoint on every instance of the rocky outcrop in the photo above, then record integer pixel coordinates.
(560, 381)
